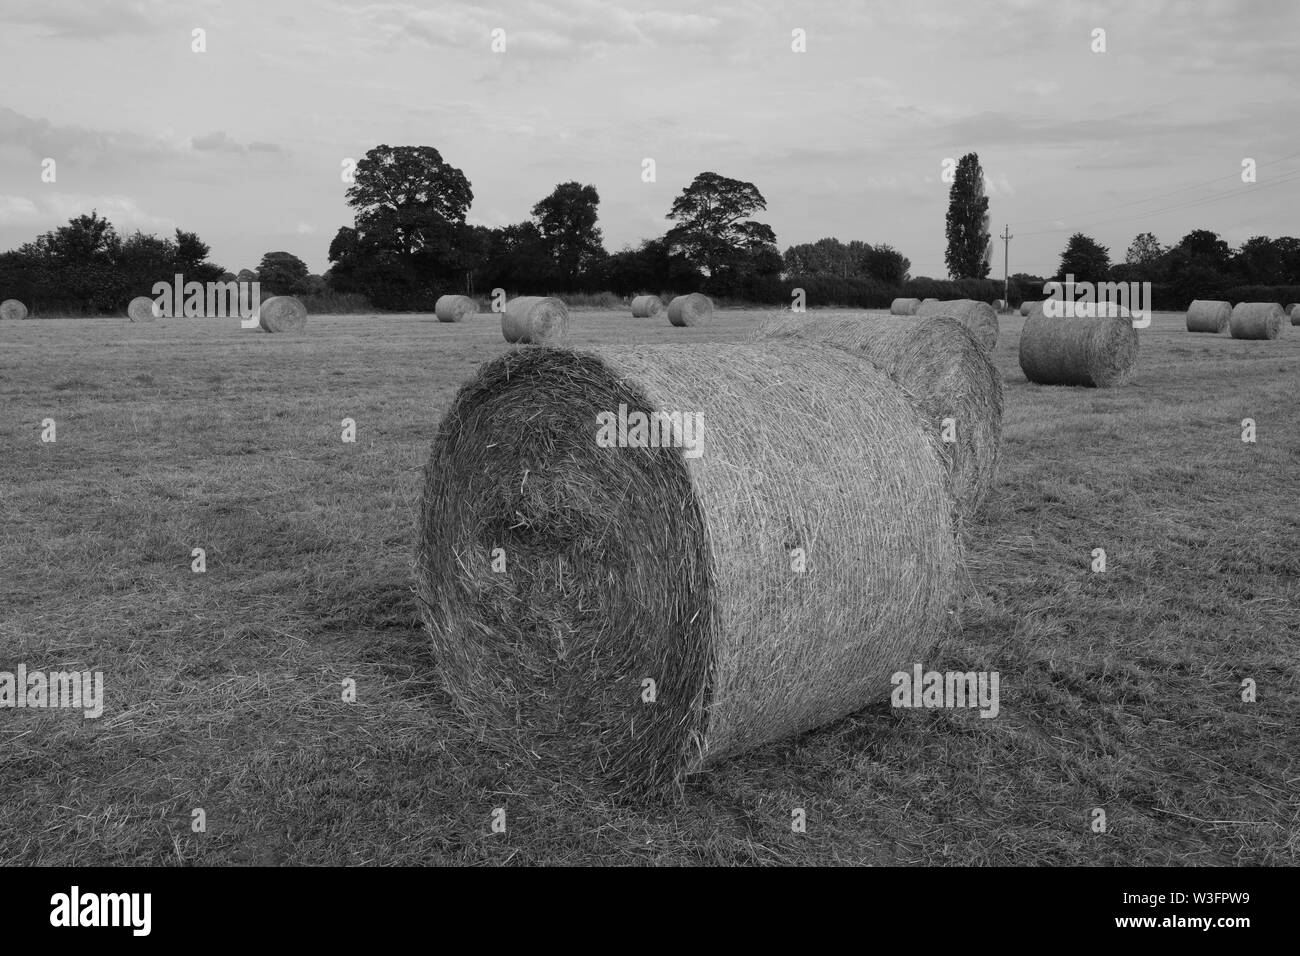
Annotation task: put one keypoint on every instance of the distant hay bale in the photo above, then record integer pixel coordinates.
(904, 306)
(454, 308)
(998, 304)
(282, 313)
(11, 309)
(942, 366)
(1208, 315)
(977, 316)
(628, 564)
(647, 306)
(1256, 320)
(535, 320)
(1098, 352)
(1029, 305)
(690, 309)
(1293, 310)
(142, 309)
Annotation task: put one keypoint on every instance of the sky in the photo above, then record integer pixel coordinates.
(245, 143)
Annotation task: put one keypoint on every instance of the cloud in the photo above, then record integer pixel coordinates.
(96, 19)
(56, 209)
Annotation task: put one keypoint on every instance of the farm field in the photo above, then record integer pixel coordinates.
(1120, 690)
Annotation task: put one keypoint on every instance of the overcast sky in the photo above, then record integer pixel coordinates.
(243, 143)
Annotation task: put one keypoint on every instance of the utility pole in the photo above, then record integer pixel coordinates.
(1006, 243)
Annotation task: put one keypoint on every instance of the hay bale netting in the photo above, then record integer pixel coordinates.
(282, 313)
(904, 306)
(535, 320)
(647, 306)
(1098, 352)
(977, 316)
(12, 309)
(628, 563)
(1256, 320)
(690, 309)
(1208, 315)
(454, 308)
(142, 309)
(945, 370)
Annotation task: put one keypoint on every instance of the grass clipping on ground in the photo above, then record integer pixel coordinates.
(1077, 350)
(942, 366)
(618, 566)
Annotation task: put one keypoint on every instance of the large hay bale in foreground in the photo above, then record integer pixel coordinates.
(628, 564)
(690, 309)
(535, 320)
(1256, 320)
(454, 308)
(647, 306)
(1098, 352)
(977, 316)
(282, 313)
(943, 368)
(904, 306)
(11, 309)
(1208, 315)
(142, 309)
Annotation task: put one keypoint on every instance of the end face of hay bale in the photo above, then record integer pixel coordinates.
(1208, 315)
(535, 320)
(977, 316)
(625, 562)
(454, 308)
(12, 309)
(647, 306)
(904, 306)
(691, 309)
(282, 313)
(1256, 320)
(142, 309)
(1094, 352)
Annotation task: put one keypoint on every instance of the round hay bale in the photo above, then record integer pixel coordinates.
(977, 316)
(1208, 315)
(12, 309)
(943, 368)
(142, 309)
(904, 306)
(282, 313)
(1256, 320)
(454, 308)
(623, 564)
(647, 306)
(535, 320)
(1293, 310)
(690, 309)
(1028, 306)
(1098, 352)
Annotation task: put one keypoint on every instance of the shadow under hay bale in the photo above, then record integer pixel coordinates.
(282, 313)
(943, 368)
(647, 306)
(454, 308)
(977, 316)
(691, 309)
(12, 310)
(1097, 352)
(535, 320)
(1208, 315)
(904, 306)
(628, 564)
(142, 309)
(1256, 320)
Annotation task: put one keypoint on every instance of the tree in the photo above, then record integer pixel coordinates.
(1206, 248)
(1084, 258)
(1259, 261)
(282, 273)
(191, 258)
(887, 264)
(714, 230)
(566, 221)
(967, 256)
(1144, 250)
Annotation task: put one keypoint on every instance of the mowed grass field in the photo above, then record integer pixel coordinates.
(1119, 690)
